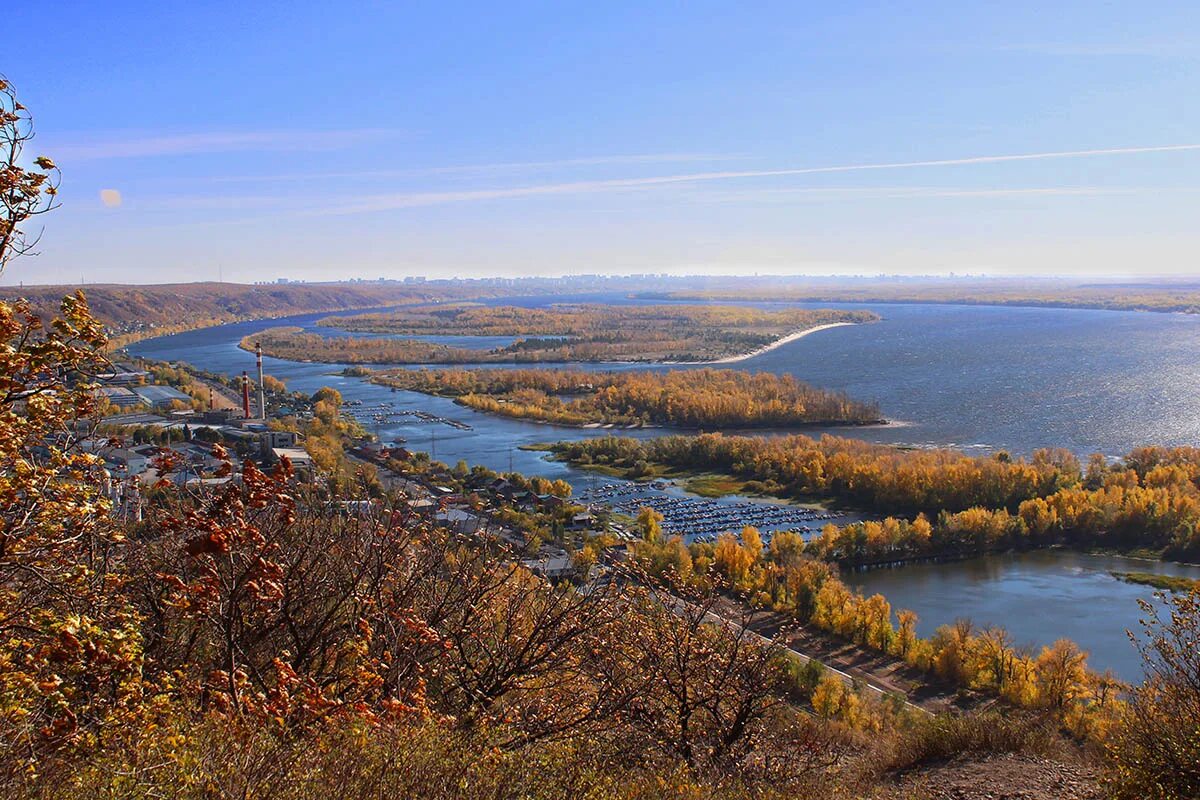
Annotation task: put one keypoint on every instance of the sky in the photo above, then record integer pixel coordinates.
(321, 141)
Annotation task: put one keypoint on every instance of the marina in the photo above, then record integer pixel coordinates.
(702, 520)
(387, 414)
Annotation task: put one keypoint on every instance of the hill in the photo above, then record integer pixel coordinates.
(138, 312)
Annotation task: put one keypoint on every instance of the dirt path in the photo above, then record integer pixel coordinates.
(1007, 777)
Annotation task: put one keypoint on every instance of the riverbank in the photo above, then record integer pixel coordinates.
(1170, 583)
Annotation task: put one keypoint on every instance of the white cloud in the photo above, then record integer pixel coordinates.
(215, 142)
(384, 202)
(914, 192)
(469, 169)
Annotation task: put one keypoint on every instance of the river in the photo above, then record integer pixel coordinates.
(978, 378)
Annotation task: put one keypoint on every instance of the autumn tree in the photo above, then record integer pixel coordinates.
(69, 655)
(1155, 749)
(1062, 674)
(24, 193)
(650, 524)
(711, 688)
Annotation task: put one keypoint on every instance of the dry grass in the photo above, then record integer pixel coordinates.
(946, 736)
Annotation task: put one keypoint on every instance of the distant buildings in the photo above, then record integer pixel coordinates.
(126, 387)
(554, 566)
(119, 396)
(123, 376)
(298, 457)
(458, 520)
(159, 397)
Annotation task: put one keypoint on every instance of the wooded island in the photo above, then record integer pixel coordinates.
(560, 333)
(702, 398)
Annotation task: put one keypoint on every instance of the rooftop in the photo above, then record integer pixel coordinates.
(160, 394)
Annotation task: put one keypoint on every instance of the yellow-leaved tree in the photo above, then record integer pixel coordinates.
(69, 648)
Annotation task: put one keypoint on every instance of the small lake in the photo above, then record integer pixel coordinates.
(1038, 596)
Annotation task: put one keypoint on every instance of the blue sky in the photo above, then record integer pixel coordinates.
(336, 140)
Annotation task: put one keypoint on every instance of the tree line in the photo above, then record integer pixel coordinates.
(591, 319)
(784, 577)
(941, 501)
(703, 398)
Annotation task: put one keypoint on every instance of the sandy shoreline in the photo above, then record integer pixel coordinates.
(791, 337)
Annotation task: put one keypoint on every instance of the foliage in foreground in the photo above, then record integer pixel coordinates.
(1155, 751)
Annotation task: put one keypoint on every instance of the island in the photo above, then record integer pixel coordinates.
(559, 333)
(686, 398)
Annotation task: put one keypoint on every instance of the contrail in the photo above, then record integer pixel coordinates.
(414, 199)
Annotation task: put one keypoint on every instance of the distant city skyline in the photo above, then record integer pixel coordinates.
(285, 140)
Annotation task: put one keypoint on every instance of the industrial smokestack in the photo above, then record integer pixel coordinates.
(245, 395)
(262, 397)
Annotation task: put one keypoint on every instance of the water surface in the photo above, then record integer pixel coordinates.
(1038, 596)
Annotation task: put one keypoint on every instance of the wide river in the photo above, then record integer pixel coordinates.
(972, 377)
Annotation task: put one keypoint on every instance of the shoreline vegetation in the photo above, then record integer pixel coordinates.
(691, 399)
(133, 313)
(1170, 583)
(677, 334)
(938, 502)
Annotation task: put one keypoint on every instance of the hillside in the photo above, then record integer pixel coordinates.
(135, 312)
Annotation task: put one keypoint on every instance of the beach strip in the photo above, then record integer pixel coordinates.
(791, 337)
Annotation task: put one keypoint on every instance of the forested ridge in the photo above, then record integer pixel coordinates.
(134, 312)
(702, 398)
